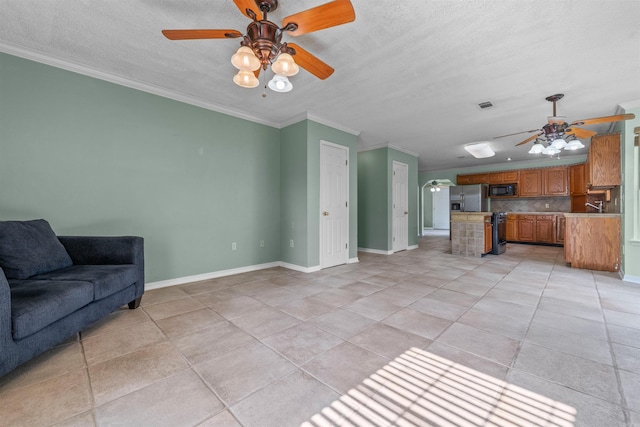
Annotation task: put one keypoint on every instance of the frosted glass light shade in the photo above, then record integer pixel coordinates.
(551, 150)
(246, 79)
(280, 84)
(285, 65)
(536, 149)
(574, 145)
(559, 143)
(245, 60)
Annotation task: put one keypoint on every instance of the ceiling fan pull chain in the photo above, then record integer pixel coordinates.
(264, 79)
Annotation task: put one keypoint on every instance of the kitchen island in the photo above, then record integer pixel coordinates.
(592, 240)
(471, 233)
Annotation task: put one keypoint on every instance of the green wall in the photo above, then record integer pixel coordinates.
(95, 158)
(375, 198)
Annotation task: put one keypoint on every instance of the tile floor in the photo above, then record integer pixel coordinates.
(416, 338)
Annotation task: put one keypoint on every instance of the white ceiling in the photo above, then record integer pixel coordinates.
(408, 73)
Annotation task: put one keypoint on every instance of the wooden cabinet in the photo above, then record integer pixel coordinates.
(488, 235)
(530, 183)
(577, 180)
(504, 177)
(560, 228)
(476, 178)
(526, 228)
(555, 181)
(593, 241)
(545, 228)
(512, 227)
(603, 165)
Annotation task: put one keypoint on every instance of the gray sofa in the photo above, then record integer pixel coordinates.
(52, 287)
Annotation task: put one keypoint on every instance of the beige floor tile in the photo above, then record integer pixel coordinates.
(86, 419)
(179, 400)
(418, 323)
(236, 307)
(223, 419)
(52, 363)
(174, 307)
(463, 358)
(265, 322)
(114, 344)
(337, 297)
(287, 402)
(133, 371)
(240, 372)
(388, 341)
(624, 335)
(211, 342)
(363, 288)
(342, 323)
(506, 326)
(186, 323)
(156, 296)
(575, 325)
(578, 345)
(631, 388)
(497, 348)
(274, 297)
(503, 308)
(437, 308)
(301, 342)
(119, 320)
(306, 308)
(589, 377)
(373, 307)
(45, 403)
(627, 358)
(622, 319)
(454, 297)
(344, 366)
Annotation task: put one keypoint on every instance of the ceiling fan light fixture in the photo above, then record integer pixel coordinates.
(280, 83)
(559, 143)
(537, 148)
(245, 60)
(480, 150)
(551, 150)
(285, 65)
(246, 79)
(574, 145)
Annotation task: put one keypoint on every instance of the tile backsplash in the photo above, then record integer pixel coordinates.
(556, 204)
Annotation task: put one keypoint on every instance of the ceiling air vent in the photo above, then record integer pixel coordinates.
(485, 105)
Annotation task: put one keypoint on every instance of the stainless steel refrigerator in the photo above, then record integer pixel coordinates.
(468, 198)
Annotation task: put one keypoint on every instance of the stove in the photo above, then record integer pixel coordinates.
(499, 237)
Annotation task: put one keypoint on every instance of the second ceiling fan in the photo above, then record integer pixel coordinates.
(262, 45)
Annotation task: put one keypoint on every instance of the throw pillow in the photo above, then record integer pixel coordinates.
(28, 248)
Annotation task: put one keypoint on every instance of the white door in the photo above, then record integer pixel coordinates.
(334, 204)
(400, 215)
(441, 209)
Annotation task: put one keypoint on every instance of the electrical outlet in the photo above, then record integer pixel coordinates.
(546, 205)
(262, 243)
(234, 246)
(291, 242)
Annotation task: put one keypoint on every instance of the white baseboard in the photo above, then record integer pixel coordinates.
(629, 278)
(375, 251)
(412, 247)
(300, 268)
(353, 260)
(207, 276)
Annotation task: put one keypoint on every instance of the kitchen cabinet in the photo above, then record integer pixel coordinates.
(560, 228)
(603, 164)
(488, 235)
(504, 177)
(593, 241)
(555, 181)
(512, 227)
(530, 183)
(577, 180)
(476, 178)
(545, 228)
(526, 228)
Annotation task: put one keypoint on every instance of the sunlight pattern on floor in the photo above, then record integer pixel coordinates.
(419, 388)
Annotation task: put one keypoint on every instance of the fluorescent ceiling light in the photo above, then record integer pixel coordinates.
(480, 150)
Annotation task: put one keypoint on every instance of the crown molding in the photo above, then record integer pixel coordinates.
(310, 116)
(88, 71)
(388, 145)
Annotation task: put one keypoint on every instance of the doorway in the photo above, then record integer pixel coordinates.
(440, 203)
(334, 204)
(400, 209)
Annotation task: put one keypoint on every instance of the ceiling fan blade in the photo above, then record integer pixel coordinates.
(328, 15)
(606, 119)
(517, 133)
(310, 63)
(243, 5)
(530, 139)
(200, 34)
(581, 133)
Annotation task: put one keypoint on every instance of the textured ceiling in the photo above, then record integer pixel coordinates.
(409, 74)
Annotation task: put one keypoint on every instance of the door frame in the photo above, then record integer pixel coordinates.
(394, 248)
(347, 196)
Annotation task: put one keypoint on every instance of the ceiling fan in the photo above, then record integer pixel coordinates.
(262, 44)
(557, 131)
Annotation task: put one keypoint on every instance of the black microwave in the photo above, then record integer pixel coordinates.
(503, 190)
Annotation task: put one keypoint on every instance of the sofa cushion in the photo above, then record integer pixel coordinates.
(106, 279)
(28, 248)
(36, 304)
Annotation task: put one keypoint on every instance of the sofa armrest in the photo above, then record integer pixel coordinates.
(5, 311)
(90, 250)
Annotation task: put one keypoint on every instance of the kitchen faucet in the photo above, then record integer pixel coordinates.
(598, 206)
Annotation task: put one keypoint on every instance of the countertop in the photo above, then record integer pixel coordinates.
(591, 215)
